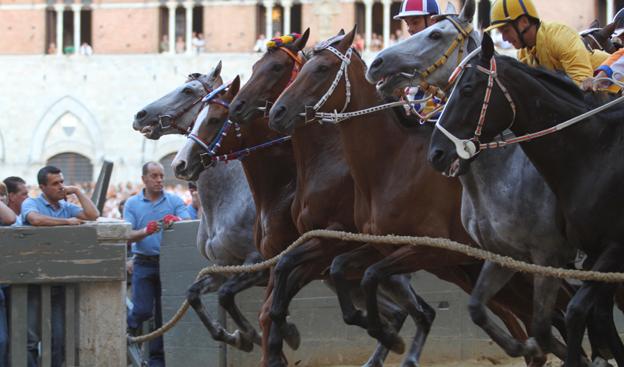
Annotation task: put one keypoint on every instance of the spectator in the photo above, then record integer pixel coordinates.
(164, 44)
(16, 188)
(7, 218)
(376, 42)
(199, 43)
(148, 211)
(393, 40)
(194, 208)
(52, 48)
(358, 43)
(50, 208)
(180, 45)
(85, 49)
(260, 45)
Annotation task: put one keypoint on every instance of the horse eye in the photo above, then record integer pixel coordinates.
(322, 68)
(213, 120)
(278, 67)
(435, 35)
(187, 91)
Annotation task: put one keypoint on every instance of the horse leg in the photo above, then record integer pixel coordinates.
(544, 299)
(491, 279)
(205, 285)
(351, 262)
(585, 299)
(603, 312)
(231, 288)
(422, 314)
(267, 358)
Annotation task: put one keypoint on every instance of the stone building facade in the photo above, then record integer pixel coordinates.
(63, 107)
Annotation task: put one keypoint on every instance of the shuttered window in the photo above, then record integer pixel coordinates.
(76, 168)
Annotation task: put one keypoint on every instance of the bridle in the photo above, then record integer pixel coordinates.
(460, 40)
(209, 157)
(310, 113)
(169, 120)
(588, 37)
(298, 60)
(468, 148)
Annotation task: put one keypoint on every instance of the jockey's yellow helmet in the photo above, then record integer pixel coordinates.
(506, 11)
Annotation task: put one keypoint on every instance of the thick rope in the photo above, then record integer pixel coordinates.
(440, 243)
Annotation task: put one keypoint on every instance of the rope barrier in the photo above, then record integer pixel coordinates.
(440, 243)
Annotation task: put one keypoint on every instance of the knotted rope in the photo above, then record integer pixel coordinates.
(440, 243)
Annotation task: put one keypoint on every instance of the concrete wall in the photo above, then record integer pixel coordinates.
(326, 340)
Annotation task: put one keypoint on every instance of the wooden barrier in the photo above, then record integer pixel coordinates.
(80, 266)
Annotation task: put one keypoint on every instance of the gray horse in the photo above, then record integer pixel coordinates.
(507, 207)
(225, 234)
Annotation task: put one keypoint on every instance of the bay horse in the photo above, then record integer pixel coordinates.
(580, 164)
(406, 200)
(495, 211)
(323, 196)
(225, 233)
(252, 134)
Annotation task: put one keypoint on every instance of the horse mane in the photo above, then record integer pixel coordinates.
(566, 92)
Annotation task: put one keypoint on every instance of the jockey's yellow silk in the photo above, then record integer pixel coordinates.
(560, 48)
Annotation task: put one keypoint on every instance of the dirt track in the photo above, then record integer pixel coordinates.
(482, 362)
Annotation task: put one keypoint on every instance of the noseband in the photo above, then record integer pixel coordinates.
(167, 121)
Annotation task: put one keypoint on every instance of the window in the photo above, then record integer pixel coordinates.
(76, 167)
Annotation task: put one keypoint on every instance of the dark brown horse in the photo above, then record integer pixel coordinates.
(395, 190)
(323, 196)
(268, 170)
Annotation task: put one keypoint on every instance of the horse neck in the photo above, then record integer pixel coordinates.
(220, 188)
(269, 170)
(315, 147)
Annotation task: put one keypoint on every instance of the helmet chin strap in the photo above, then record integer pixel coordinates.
(521, 33)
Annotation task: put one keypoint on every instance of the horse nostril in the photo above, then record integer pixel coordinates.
(180, 166)
(377, 63)
(141, 114)
(437, 156)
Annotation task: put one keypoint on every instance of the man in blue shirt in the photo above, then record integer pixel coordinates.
(17, 192)
(7, 217)
(193, 207)
(51, 209)
(148, 211)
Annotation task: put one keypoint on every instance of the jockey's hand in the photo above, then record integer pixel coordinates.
(589, 85)
(169, 219)
(152, 227)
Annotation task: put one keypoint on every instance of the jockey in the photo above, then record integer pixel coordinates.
(553, 46)
(417, 15)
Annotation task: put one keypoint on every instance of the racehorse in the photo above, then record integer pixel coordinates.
(596, 38)
(225, 234)
(395, 191)
(580, 163)
(495, 209)
(323, 196)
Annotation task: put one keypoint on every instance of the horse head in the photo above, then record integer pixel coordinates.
(270, 76)
(208, 137)
(430, 55)
(322, 84)
(175, 112)
(596, 38)
(466, 120)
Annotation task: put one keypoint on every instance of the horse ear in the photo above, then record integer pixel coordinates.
(608, 30)
(487, 48)
(450, 8)
(595, 24)
(468, 11)
(347, 41)
(216, 72)
(301, 42)
(234, 87)
(341, 32)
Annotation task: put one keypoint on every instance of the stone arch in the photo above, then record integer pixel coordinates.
(66, 109)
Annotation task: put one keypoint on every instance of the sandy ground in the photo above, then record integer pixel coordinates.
(482, 362)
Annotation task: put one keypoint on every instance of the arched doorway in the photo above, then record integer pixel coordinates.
(76, 167)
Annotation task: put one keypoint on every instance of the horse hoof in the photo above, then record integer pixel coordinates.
(533, 349)
(601, 362)
(410, 364)
(242, 342)
(291, 335)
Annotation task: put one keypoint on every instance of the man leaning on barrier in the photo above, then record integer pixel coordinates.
(148, 211)
(51, 209)
(7, 218)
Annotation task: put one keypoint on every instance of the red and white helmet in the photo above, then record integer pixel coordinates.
(414, 8)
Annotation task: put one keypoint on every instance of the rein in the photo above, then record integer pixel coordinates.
(167, 121)
(468, 148)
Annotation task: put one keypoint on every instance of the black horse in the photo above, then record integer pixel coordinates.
(582, 164)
